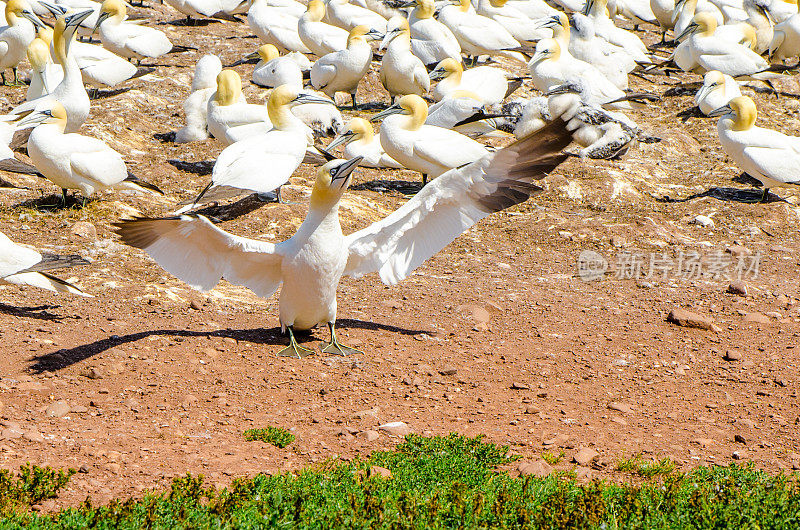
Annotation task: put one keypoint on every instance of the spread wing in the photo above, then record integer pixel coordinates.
(452, 203)
(199, 253)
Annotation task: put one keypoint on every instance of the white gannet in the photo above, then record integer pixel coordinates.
(685, 10)
(717, 90)
(273, 70)
(786, 38)
(319, 37)
(229, 117)
(45, 75)
(431, 40)
(7, 160)
(478, 35)
(263, 162)
(195, 107)
(636, 11)
(359, 140)
(604, 27)
(465, 113)
(342, 71)
(664, 11)
(769, 156)
(347, 16)
(311, 263)
(424, 148)
(533, 9)
(73, 161)
(17, 35)
(199, 9)
(22, 265)
(127, 39)
(489, 83)
(517, 23)
(401, 72)
(275, 22)
(780, 10)
(611, 60)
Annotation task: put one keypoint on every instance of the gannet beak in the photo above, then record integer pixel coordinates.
(722, 111)
(412, 3)
(388, 38)
(343, 171)
(73, 21)
(303, 98)
(564, 88)
(100, 18)
(342, 139)
(34, 119)
(688, 31)
(244, 60)
(54, 9)
(702, 92)
(30, 15)
(374, 34)
(394, 109)
(437, 74)
(587, 7)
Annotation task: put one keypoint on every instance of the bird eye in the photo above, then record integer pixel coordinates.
(334, 171)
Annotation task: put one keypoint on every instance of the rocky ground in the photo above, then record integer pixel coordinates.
(498, 334)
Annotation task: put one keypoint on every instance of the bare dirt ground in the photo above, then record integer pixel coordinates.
(496, 335)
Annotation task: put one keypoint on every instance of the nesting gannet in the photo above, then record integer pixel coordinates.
(311, 263)
(25, 266)
(275, 22)
(17, 35)
(431, 40)
(489, 83)
(359, 140)
(45, 75)
(130, 40)
(604, 27)
(73, 161)
(786, 39)
(230, 118)
(465, 113)
(424, 148)
(769, 156)
(195, 107)
(585, 45)
(319, 37)
(516, 22)
(401, 71)
(717, 90)
(273, 70)
(780, 10)
(478, 35)
(263, 162)
(685, 10)
(342, 71)
(533, 9)
(601, 133)
(200, 9)
(347, 16)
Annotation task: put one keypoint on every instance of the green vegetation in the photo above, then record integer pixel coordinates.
(552, 458)
(32, 485)
(448, 482)
(272, 435)
(646, 468)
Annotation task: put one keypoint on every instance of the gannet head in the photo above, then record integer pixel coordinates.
(546, 49)
(283, 98)
(268, 52)
(741, 111)
(113, 9)
(229, 88)
(703, 23)
(332, 180)
(315, 10)
(38, 54)
(206, 71)
(21, 8)
(446, 68)
(713, 80)
(410, 105)
(49, 112)
(64, 33)
(424, 8)
(361, 33)
(395, 27)
(356, 129)
(463, 5)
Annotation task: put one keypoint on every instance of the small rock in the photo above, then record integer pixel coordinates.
(739, 455)
(84, 229)
(688, 319)
(532, 409)
(732, 355)
(478, 313)
(585, 455)
(745, 422)
(194, 304)
(537, 468)
(738, 251)
(396, 428)
(377, 471)
(738, 438)
(702, 220)
(370, 435)
(583, 474)
(620, 407)
(738, 287)
(618, 241)
(33, 435)
(558, 439)
(448, 370)
(620, 420)
(93, 373)
(11, 433)
(516, 385)
(59, 409)
(113, 467)
(757, 318)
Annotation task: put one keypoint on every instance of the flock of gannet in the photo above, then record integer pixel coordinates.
(446, 92)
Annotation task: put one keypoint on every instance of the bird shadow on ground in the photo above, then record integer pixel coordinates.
(39, 312)
(98, 93)
(726, 194)
(406, 187)
(54, 202)
(204, 167)
(193, 22)
(66, 357)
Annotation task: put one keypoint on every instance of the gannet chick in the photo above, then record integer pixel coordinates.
(195, 107)
(769, 156)
(489, 83)
(275, 22)
(465, 113)
(319, 37)
(515, 21)
(342, 71)
(359, 140)
(311, 263)
(263, 162)
(431, 40)
(73, 161)
(343, 14)
(45, 75)
(230, 118)
(273, 70)
(401, 71)
(21, 265)
(478, 35)
(717, 90)
(424, 148)
(524, 116)
(127, 39)
(603, 134)
(16, 36)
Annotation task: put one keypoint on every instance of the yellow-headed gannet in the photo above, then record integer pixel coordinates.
(230, 118)
(17, 35)
(431, 40)
(717, 90)
(347, 16)
(21, 265)
(359, 140)
(604, 27)
(401, 71)
(478, 35)
(489, 83)
(273, 70)
(516, 22)
(45, 75)
(275, 22)
(319, 37)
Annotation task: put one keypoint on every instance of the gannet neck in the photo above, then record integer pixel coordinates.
(749, 35)
(417, 111)
(356, 36)
(424, 9)
(323, 206)
(362, 130)
(465, 5)
(561, 33)
(45, 34)
(745, 113)
(229, 88)
(11, 14)
(59, 42)
(279, 108)
(315, 10)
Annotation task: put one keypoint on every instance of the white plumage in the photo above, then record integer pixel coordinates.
(21, 265)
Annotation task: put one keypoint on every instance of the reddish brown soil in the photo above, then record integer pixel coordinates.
(162, 380)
